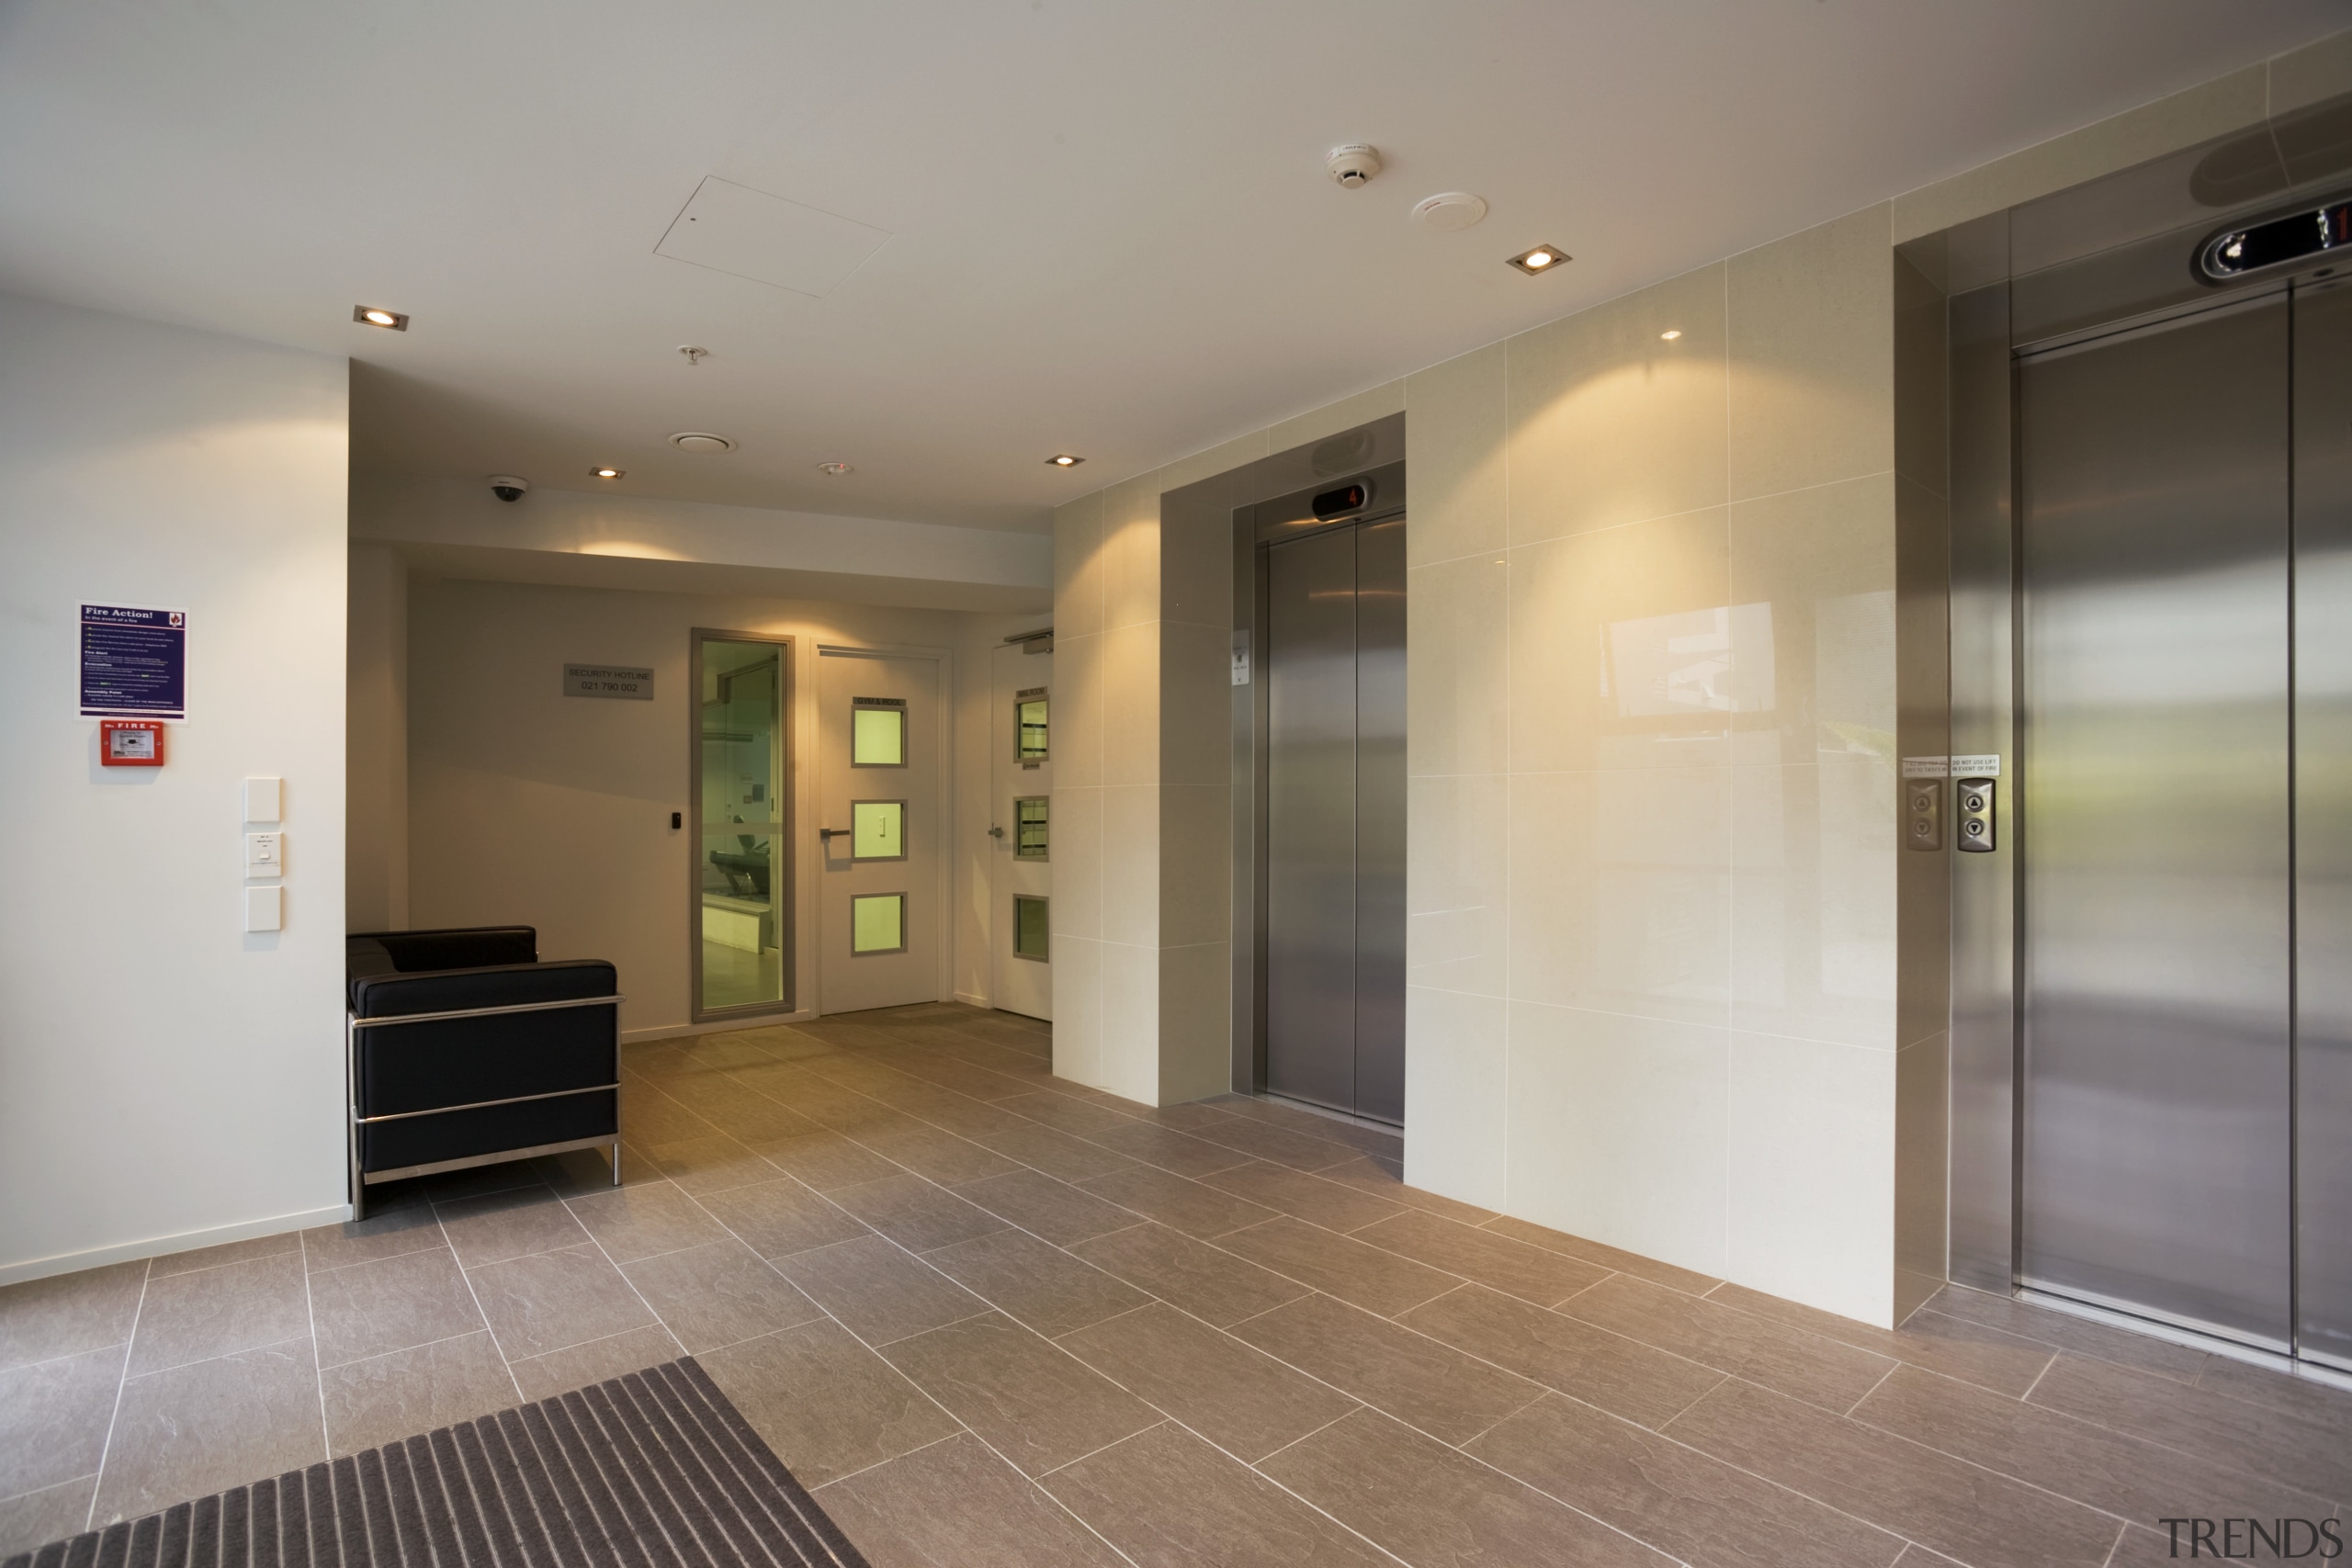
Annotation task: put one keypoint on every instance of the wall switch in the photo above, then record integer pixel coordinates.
(265, 909)
(265, 855)
(264, 800)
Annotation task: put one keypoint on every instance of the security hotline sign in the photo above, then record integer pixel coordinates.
(134, 662)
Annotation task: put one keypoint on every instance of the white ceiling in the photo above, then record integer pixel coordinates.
(1109, 230)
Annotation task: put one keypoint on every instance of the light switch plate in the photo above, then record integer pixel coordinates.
(265, 909)
(265, 854)
(264, 800)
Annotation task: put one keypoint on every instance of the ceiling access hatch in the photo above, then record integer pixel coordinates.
(734, 229)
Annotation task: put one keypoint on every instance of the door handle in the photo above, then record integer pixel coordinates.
(995, 832)
(828, 832)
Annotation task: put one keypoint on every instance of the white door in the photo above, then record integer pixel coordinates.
(1020, 808)
(878, 846)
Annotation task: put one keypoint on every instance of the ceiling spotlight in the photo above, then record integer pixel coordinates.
(1064, 460)
(377, 316)
(610, 473)
(1543, 258)
(1671, 333)
(836, 470)
(701, 440)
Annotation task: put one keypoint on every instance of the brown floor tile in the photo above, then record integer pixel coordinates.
(704, 1165)
(957, 1503)
(1302, 1196)
(1213, 1286)
(208, 1425)
(54, 1513)
(1635, 1381)
(651, 1116)
(958, 1113)
(937, 1155)
(2326, 1403)
(2067, 1332)
(1675, 1499)
(2302, 1453)
(1450, 1395)
(597, 1360)
(1245, 1403)
(1057, 1153)
(1511, 1267)
(1967, 1351)
(1609, 1258)
(53, 1419)
(1198, 1113)
(1166, 1148)
(1050, 1207)
(714, 1295)
(1056, 1108)
(1986, 1520)
(825, 1160)
(1820, 1372)
(1382, 1180)
(1340, 1266)
(828, 1405)
(194, 1317)
(1297, 1119)
(2075, 1459)
(1177, 1201)
(631, 1223)
(1169, 1500)
(1033, 1403)
(227, 1252)
(915, 1214)
(878, 1289)
(67, 1314)
(748, 1116)
(1035, 1282)
(1264, 1140)
(500, 1225)
(550, 1300)
(1435, 1505)
(386, 1398)
(776, 1218)
(394, 1304)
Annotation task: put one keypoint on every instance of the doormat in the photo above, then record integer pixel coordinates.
(653, 1470)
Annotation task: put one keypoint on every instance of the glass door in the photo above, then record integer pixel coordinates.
(742, 873)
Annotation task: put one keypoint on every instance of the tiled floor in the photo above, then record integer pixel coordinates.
(1000, 1319)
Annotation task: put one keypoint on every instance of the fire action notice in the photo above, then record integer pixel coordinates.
(134, 662)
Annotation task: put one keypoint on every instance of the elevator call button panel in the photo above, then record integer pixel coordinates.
(1972, 801)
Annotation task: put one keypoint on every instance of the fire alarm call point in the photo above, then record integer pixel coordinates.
(131, 743)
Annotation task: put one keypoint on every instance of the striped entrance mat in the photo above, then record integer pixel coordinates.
(654, 1470)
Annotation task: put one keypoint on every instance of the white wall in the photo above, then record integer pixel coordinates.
(375, 892)
(529, 806)
(164, 1075)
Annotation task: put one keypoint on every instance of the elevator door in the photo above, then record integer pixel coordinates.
(2162, 537)
(1335, 818)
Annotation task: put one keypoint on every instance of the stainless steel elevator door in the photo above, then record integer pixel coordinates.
(2156, 938)
(1335, 819)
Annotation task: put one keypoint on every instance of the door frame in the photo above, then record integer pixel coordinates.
(943, 661)
(785, 813)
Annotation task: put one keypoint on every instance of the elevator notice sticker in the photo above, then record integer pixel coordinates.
(1982, 765)
(1927, 767)
(134, 662)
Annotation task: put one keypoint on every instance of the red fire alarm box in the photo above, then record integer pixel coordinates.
(131, 743)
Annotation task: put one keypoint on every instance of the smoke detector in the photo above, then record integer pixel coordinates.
(701, 440)
(1353, 164)
(1449, 212)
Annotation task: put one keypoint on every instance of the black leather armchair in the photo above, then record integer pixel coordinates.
(465, 1050)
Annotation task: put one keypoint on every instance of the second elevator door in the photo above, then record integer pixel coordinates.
(1335, 819)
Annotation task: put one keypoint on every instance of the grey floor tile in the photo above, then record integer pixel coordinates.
(1035, 1282)
(650, 1114)
(1511, 1267)
(1371, 1279)
(227, 1252)
(598, 1360)
(1435, 1505)
(394, 1304)
(1048, 1207)
(936, 1156)
(500, 1225)
(386, 1398)
(505, 1176)
(576, 1173)
(1383, 1178)
(2326, 1403)
(915, 1214)
(2310, 1456)
(67, 1314)
(1820, 1372)
(713, 1164)
(194, 1317)
(1056, 1108)
(2066, 1332)
(1169, 1148)
(1675, 1499)
(745, 1114)
(1213, 1286)
(828, 1405)
(824, 1160)
(54, 1513)
(879, 1291)
(211, 1425)
(1638, 1382)
(1264, 1140)
(1243, 1401)
(957, 1503)
(1055, 1152)
(1177, 1201)
(631, 1223)
(552, 1300)
(1031, 1402)
(1445, 1392)
(1957, 1349)
(1616, 1261)
(781, 1216)
(1169, 1500)
(385, 1233)
(53, 1419)
(716, 1295)
(1303, 1196)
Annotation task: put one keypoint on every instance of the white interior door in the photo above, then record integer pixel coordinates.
(1021, 804)
(877, 848)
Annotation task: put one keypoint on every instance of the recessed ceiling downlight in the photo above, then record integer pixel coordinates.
(1064, 460)
(610, 473)
(836, 470)
(1543, 258)
(377, 316)
(1450, 213)
(701, 440)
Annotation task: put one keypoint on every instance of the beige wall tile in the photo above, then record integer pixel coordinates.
(1195, 870)
(1377, 402)
(1078, 567)
(1075, 824)
(1131, 1044)
(1218, 459)
(1812, 335)
(1197, 561)
(1456, 1090)
(1620, 891)
(1611, 424)
(1812, 933)
(1923, 729)
(1078, 733)
(1616, 1131)
(2301, 77)
(1455, 422)
(1614, 655)
(1921, 380)
(1131, 853)
(1195, 703)
(1130, 554)
(1129, 682)
(1811, 1173)
(1457, 691)
(1078, 1007)
(1195, 1022)
(1821, 563)
(1457, 881)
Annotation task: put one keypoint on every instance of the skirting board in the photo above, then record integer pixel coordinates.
(672, 1031)
(971, 1000)
(163, 1246)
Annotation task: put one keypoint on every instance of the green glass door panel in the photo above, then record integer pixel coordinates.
(877, 829)
(878, 923)
(877, 736)
(1029, 927)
